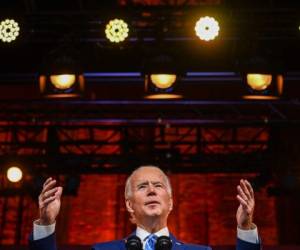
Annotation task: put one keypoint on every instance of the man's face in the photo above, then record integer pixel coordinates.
(150, 197)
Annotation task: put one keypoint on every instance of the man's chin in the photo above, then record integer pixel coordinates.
(153, 213)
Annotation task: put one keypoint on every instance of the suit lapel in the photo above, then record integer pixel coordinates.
(176, 245)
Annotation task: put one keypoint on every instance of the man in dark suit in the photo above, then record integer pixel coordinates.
(148, 197)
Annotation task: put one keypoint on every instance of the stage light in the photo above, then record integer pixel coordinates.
(63, 81)
(161, 86)
(207, 28)
(262, 77)
(259, 82)
(72, 87)
(14, 174)
(264, 86)
(163, 81)
(9, 30)
(161, 77)
(61, 77)
(116, 30)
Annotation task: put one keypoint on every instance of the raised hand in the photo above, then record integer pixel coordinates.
(245, 211)
(49, 202)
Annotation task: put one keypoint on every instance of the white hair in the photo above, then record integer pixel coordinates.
(128, 186)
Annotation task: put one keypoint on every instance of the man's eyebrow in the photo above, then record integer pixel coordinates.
(143, 183)
(156, 182)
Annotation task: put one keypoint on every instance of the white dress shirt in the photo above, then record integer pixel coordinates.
(143, 234)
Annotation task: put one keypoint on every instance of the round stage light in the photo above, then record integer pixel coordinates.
(163, 81)
(9, 30)
(207, 28)
(116, 30)
(65, 81)
(259, 82)
(14, 174)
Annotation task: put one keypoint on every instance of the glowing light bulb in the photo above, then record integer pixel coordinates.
(14, 174)
(9, 30)
(116, 30)
(207, 28)
(163, 81)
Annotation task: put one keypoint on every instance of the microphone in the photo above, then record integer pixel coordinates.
(134, 243)
(163, 243)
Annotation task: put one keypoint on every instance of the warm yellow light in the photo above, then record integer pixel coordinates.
(14, 174)
(260, 97)
(207, 28)
(63, 81)
(116, 30)
(163, 81)
(163, 96)
(259, 82)
(9, 30)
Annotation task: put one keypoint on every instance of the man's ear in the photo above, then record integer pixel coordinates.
(129, 206)
(171, 204)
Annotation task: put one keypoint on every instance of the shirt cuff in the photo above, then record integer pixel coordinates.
(250, 236)
(42, 231)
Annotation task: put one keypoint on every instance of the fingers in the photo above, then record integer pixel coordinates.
(49, 184)
(241, 193)
(49, 192)
(58, 192)
(242, 201)
(48, 200)
(250, 189)
(246, 196)
(47, 181)
(245, 190)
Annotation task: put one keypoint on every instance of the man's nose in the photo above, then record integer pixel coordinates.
(151, 189)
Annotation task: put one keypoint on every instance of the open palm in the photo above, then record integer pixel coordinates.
(49, 202)
(245, 211)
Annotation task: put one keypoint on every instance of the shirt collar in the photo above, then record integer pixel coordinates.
(143, 234)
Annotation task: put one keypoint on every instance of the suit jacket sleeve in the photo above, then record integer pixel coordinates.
(48, 243)
(244, 245)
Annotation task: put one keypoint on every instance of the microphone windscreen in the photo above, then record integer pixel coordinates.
(134, 243)
(163, 243)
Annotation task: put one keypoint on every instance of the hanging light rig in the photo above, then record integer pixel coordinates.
(62, 76)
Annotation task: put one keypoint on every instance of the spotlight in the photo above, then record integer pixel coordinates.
(116, 30)
(14, 174)
(264, 86)
(160, 86)
(262, 79)
(160, 78)
(61, 77)
(9, 30)
(163, 81)
(63, 81)
(259, 82)
(207, 28)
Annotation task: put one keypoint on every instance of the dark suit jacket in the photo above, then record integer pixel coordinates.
(49, 243)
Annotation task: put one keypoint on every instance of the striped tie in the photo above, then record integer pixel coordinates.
(150, 243)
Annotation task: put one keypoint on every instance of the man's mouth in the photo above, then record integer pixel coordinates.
(151, 203)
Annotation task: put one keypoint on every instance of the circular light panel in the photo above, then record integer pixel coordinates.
(9, 30)
(116, 30)
(207, 28)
